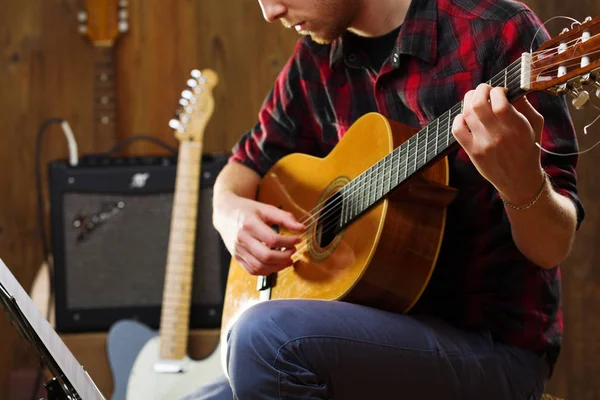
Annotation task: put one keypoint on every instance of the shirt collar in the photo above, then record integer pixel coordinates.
(417, 36)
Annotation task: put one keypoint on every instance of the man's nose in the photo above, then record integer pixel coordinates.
(272, 9)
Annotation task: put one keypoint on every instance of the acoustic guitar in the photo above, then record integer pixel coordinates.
(375, 207)
(147, 365)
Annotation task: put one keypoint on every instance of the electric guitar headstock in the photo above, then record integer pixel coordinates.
(197, 106)
(102, 21)
(568, 63)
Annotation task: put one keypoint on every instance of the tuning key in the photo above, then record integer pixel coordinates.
(196, 74)
(82, 16)
(580, 99)
(192, 83)
(123, 26)
(183, 102)
(123, 3)
(174, 124)
(186, 94)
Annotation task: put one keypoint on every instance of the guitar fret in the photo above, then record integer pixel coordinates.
(380, 177)
(416, 152)
(426, 144)
(406, 159)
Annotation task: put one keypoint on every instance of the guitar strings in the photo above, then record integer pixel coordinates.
(514, 78)
(441, 120)
(404, 161)
(326, 219)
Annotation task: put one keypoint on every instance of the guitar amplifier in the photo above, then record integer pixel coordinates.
(110, 221)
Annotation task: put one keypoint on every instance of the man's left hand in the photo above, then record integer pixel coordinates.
(500, 138)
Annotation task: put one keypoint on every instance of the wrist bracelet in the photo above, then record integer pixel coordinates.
(537, 196)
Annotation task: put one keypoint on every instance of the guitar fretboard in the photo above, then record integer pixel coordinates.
(426, 146)
(105, 103)
(174, 325)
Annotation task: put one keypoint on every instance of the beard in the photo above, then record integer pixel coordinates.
(332, 21)
(329, 35)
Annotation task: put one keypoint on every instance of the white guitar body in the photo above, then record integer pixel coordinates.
(146, 383)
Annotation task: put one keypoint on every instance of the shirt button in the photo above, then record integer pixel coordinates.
(352, 57)
(395, 59)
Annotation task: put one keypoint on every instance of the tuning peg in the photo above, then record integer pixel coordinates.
(82, 29)
(123, 3)
(186, 94)
(196, 74)
(175, 124)
(183, 102)
(192, 83)
(123, 26)
(580, 99)
(184, 118)
(82, 16)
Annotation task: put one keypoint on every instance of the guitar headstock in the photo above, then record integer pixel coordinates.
(569, 62)
(102, 21)
(197, 106)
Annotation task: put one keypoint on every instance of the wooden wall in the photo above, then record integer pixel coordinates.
(46, 71)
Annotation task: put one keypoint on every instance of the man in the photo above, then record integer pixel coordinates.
(489, 324)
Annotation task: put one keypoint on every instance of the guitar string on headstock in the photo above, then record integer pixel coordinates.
(580, 99)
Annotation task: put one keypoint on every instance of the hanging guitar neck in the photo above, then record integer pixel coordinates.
(102, 21)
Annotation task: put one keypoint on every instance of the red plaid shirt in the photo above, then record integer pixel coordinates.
(443, 49)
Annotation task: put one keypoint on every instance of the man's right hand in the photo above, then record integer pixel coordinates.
(245, 226)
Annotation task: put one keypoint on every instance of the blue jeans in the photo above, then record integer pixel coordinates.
(309, 349)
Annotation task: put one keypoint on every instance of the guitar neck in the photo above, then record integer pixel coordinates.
(421, 150)
(174, 325)
(105, 104)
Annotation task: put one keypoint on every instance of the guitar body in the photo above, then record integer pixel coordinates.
(124, 342)
(383, 259)
(133, 350)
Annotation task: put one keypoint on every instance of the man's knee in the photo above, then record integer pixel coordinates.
(257, 332)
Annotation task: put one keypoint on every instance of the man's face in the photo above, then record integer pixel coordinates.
(323, 20)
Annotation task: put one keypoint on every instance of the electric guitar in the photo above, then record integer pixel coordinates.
(147, 366)
(102, 22)
(365, 210)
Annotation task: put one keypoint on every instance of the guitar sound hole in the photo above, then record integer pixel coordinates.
(328, 223)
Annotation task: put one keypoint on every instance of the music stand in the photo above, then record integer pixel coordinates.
(70, 381)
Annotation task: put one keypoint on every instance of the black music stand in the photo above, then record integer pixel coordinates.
(58, 359)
